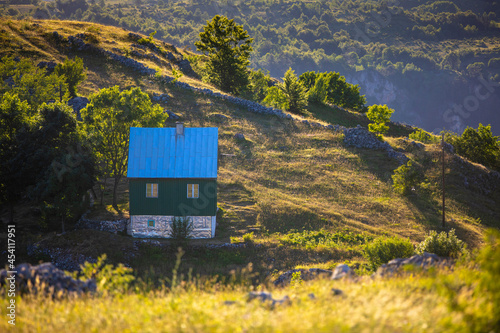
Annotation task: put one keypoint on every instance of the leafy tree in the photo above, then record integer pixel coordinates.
(336, 89)
(294, 91)
(228, 47)
(259, 83)
(319, 91)
(31, 83)
(478, 145)
(380, 115)
(108, 118)
(275, 98)
(73, 72)
(15, 119)
(62, 162)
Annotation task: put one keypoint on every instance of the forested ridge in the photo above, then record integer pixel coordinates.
(420, 57)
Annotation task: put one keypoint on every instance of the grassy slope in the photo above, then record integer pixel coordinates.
(284, 176)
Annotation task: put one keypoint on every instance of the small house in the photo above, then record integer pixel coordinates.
(172, 173)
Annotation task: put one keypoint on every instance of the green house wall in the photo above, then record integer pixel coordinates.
(172, 197)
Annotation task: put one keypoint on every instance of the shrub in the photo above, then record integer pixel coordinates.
(405, 178)
(423, 136)
(442, 244)
(297, 279)
(109, 279)
(380, 115)
(383, 250)
(148, 40)
(313, 239)
(181, 229)
(248, 237)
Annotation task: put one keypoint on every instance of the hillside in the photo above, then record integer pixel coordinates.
(424, 58)
(287, 182)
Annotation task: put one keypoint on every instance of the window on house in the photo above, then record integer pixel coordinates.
(151, 223)
(193, 190)
(151, 190)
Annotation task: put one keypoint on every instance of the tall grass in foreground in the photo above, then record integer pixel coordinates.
(464, 300)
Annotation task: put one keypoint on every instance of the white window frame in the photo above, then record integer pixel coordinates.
(193, 191)
(151, 190)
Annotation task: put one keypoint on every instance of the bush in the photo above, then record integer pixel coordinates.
(380, 115)
(423, 136)
(405, 178)
(442, 244)
(383, 250)
(248, 237)
(181, 229)
(109, 279)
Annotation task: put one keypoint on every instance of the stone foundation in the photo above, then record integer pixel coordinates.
(204, 226)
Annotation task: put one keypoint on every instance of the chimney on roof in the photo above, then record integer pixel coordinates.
(179, 128)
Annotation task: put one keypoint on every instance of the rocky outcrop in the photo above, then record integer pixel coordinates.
(78, 103)
(476, 178)
(160, 98)
(48, 65)
(63, 259)
(44, 278)
(424, 261)
(360, 137)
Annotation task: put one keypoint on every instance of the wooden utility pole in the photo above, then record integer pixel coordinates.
(442, 146)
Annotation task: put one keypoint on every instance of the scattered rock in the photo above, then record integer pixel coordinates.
(220, 116)
(63, 259)
(163, 98)
(337, 292)
(266, 297)
(342, 271)
(239, 136)
(46, 278)
(424, 261)
(48, 65)
(172, 116)
(78, 103)
(305, 274)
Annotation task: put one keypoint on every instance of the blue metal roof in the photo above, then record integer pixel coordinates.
(160, 153)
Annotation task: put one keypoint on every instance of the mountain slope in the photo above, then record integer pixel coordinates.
(284, 175)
